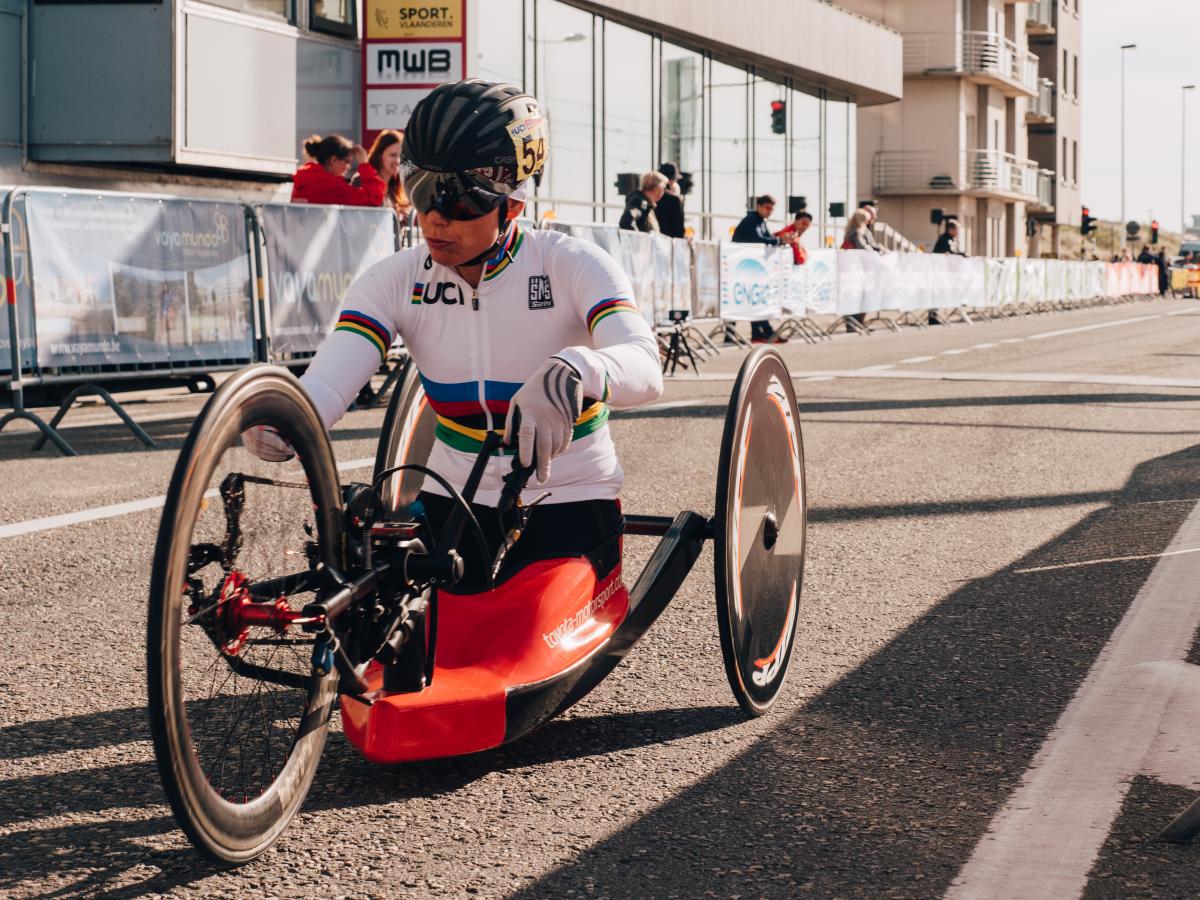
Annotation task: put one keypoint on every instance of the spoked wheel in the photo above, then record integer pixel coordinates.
(407, 437)
(760, 530)
(237, 714)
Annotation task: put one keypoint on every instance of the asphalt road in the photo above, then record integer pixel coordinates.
(991, 694)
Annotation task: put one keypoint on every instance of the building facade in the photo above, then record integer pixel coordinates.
(987, 104)
(219, 94)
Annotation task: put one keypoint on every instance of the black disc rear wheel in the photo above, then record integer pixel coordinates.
(237, 714)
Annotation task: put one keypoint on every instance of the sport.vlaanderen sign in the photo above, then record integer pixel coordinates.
(409, 47)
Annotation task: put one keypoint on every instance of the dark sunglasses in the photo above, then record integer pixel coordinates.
(460, 196)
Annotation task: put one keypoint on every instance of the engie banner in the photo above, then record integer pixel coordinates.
(753, 280)
(314, 253)
(137, 280)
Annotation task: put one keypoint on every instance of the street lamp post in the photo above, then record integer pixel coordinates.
(1124, 47)
(1183, 162)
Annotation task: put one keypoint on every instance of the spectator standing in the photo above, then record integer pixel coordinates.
(799, 225)
(947, 242)
(872, 211)
(1164, 273)
(753, 229)
(322, 179)
(858, 237)
(384, 157)
(669, 210)
(640, 205)
(1146, 258)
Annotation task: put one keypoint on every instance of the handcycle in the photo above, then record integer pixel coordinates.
(276, 591)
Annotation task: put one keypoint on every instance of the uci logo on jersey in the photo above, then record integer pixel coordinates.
(443, 292)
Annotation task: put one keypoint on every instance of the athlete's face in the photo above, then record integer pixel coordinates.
(452, 242)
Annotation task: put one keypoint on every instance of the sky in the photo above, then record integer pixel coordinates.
(1167, 34)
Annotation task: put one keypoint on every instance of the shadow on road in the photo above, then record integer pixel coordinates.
(882, 785)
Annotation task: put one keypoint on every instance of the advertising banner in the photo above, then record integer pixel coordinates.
(17, 281)
(664, 272)
(637, 259)
(820, 283)
(127, 279)
(752, 281)
(681, 283)
(708, 280)
(314, 253)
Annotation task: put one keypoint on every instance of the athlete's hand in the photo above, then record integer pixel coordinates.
(549, 403)
(267, 444)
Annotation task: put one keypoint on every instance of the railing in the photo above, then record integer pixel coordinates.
(889, 238)
(1046, 183)
(1042, 106)
(937, 171)
(971, 53)
(1039, 16)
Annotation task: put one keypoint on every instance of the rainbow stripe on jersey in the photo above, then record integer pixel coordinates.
(606, 308)
(372, 329)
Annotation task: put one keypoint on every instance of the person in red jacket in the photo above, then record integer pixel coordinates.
(322, 179)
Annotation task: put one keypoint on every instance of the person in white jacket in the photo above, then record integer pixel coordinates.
(498, 319)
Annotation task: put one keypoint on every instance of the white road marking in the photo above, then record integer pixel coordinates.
(1045, 840)
(1184, 312)
(880, 368)
(1113, 324)
(1017, 377)
(48, 523)
(1012, 340)
(1100, 562)
(917, 359)
(983, 346)
(955, 352)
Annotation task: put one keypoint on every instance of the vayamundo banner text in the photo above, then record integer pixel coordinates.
(120, 279)
(314, 253)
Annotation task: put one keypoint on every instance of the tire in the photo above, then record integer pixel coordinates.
(407, 436)
(759, 538)
(196, 739)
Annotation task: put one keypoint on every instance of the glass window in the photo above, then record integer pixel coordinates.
(276, 9)
(770, 149)
(839, 160)
(804, 136)
(500, 26)
(682, 129)
(729, 142)
(334, 17)
(629, 77)
(564, 78)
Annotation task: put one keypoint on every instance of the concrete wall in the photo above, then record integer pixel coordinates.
(822, 45)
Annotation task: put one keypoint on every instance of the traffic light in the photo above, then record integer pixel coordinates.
(1154, 232)
(779, 116)
(1086, 225)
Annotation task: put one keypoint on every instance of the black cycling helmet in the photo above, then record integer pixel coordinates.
(470, 145)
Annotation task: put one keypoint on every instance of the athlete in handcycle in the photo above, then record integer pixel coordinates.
(451, 607)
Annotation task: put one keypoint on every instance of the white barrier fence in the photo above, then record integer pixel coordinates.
(740, 282)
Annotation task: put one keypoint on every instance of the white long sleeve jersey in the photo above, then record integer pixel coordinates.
(543, 294)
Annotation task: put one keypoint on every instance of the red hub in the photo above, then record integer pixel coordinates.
(238, 611)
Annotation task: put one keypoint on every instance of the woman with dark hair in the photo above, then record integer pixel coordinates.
(322, 179)
(385, 159)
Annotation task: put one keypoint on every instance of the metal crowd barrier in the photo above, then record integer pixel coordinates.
(109, 290)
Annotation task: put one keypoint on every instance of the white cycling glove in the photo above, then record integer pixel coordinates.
(549, 403)
(267, 444)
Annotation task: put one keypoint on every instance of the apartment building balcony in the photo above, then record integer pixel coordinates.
(1043, 206)
(1041, 108)
(982, 173)
(981, 56)
(1039, 17)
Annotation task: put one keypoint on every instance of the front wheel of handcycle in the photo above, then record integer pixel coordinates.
(238, 711)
